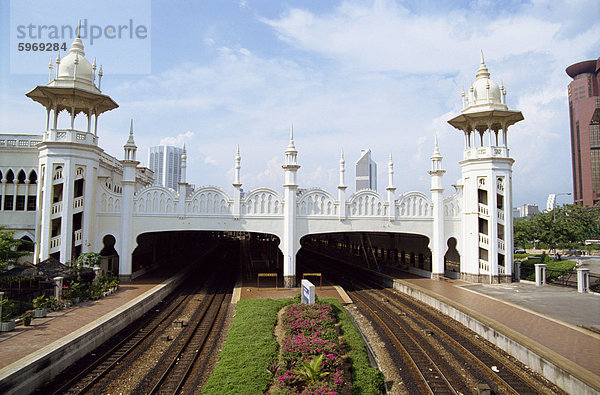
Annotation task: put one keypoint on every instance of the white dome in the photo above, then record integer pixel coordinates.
(484, 93)
(67, 64)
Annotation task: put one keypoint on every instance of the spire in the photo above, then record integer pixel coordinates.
(238, 166)
(100, 74)
(183, 176)
(94, 70)
(130, 148)
(291, 144)
(79, 29)
(50, 67)
(483, 70)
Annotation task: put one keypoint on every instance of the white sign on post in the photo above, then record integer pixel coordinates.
(308, 292)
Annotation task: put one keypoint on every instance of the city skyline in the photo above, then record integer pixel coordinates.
(241, 73)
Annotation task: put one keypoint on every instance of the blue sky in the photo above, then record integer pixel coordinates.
(348, 75)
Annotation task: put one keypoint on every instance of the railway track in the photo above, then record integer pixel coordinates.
(437, 354)
(203, 299)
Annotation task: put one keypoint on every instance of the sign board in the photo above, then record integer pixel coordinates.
(308, 292)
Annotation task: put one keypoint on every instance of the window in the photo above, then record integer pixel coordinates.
(8, 202)
(20, 206)
(31, 204)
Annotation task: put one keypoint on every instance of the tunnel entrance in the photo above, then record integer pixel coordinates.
(177, 249)
(379, 251)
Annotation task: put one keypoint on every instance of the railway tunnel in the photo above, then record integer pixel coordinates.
(381, 250)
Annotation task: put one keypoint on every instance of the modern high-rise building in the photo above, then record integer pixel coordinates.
(584, 120)
(165, 162)
(366, 171)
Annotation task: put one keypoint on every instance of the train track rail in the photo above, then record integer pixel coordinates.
(443, 355)
(202, 298)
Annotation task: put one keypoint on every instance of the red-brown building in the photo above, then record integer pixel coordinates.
(584, 119)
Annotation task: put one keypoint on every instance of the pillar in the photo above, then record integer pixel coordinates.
(540, 274)
(583, 280)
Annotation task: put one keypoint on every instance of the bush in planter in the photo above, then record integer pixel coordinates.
(39, 304)
(26, 317)
(7, 308)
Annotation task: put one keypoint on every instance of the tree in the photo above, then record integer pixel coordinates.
(9, 246)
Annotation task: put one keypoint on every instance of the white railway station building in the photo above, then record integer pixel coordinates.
(61, 190)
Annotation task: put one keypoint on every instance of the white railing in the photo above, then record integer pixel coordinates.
(501, 215)
(55, 242)
(484, 239)
(484, 266)
(500, 269)
(483, 209)
(501, 245)
(78, 235)
(56, 208)
(78, 202)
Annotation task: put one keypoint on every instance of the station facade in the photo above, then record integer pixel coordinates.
(61, 190)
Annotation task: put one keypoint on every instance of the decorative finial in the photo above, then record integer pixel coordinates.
(482, 60)
(131, 127)
(79, 29)
(184, 148)
(100, 74)
(50, 67)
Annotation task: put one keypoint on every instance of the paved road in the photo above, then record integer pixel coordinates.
(590, 262)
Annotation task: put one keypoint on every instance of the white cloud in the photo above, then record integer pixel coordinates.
(177, 141)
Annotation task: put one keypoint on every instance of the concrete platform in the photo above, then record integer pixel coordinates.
(34, 355)
(544, 327)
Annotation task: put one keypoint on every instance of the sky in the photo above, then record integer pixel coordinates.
(348, 75)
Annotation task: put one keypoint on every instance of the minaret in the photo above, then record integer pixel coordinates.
(68, 159)
(342, 188)
(129, 171)
(182, 186)
(391, 190)
(289, 243)
(487, 179)
(237, 185)
(437, 196)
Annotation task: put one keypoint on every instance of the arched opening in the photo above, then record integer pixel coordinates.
(27, 246)
(452, 260)
(257, 252)
(110, 256)
(378, 251)
(21, 177)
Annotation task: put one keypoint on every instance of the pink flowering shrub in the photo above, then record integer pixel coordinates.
(310, 332)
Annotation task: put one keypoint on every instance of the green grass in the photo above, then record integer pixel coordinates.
(251, 347)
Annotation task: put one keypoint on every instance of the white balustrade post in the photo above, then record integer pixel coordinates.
(583, 280)
(58, 283)
(540, 274)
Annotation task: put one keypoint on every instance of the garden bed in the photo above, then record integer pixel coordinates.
(250, 361)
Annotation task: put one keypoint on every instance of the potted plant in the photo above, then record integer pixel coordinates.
(26, 317)
(8, 325)
(39, 306)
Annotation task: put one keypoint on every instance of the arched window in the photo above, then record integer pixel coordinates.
(21, 177)
(33, 177)
(10, 176)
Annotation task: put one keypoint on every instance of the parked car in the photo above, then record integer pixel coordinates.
(519, 251)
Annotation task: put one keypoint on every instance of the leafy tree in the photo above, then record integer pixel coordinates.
(564, 227)
(88, 259)
(8, 247)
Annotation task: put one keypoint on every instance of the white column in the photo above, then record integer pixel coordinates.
(493, 226)
(237, 186)
(126, 234)
(89, 208)
(289, 242)
(342, 189)
(182, 186)
(437, 196)
(391, 198)
(540, 274)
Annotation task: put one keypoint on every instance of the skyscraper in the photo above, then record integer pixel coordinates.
(584, 120)
(366, 171)
(165, 162)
